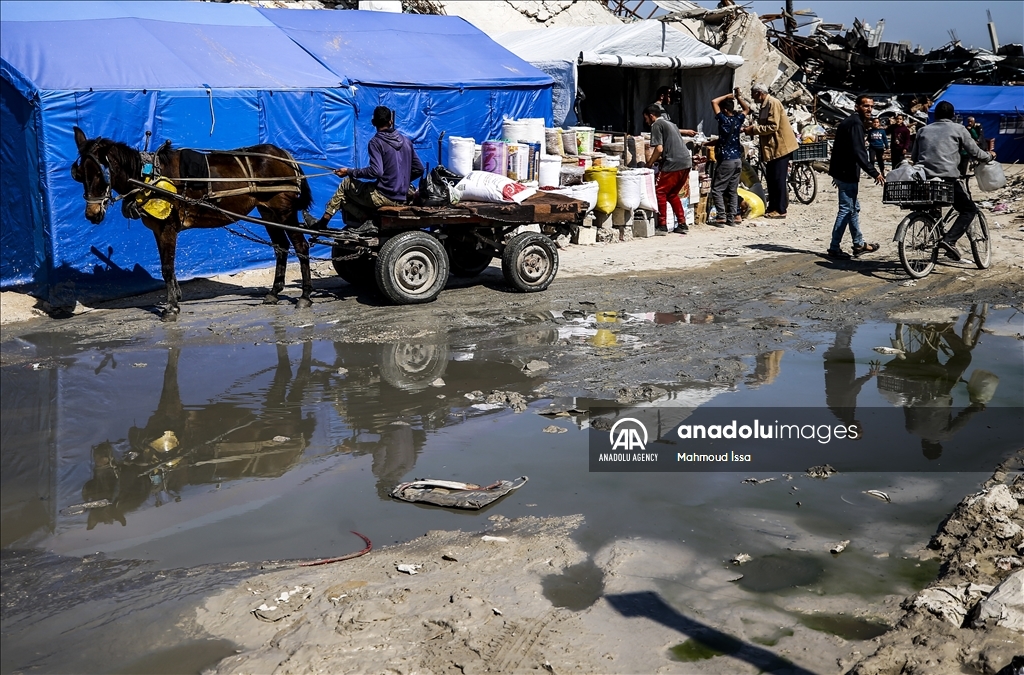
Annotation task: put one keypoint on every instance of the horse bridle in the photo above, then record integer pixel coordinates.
(108, 194)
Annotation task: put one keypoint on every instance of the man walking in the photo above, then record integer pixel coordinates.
(729, 154)
(778, 143)
(667, 147)
(849, 157)
(393, 166)
(899, 144)
(939, 148)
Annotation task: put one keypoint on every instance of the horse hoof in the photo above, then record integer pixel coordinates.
(304, 303)
(270, 300)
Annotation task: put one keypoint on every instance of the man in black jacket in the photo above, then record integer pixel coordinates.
(849, 156)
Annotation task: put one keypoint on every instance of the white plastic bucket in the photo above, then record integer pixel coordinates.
(550, 169)
(514, 131)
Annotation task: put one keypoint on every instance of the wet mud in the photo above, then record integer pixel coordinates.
(190, 454)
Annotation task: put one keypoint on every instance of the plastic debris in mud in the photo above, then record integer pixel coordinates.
(821, 471)
(878, 494)
(838, 548)
(409, 569)
(454, 494)
(741, 558)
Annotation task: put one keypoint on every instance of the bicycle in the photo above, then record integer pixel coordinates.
(919, 235)
(801, 179)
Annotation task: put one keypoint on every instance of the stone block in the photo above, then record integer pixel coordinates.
(606, 235)
(603, 220)
(622, 217)
(643, 228)
(584, 236)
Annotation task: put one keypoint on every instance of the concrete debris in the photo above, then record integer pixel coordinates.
(499, 16)
(822, 471)
(951, 603)
(512, 399)
(1004, 606)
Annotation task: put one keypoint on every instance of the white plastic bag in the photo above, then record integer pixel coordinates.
(648, 193)
(461, 152)
(906, 172)
(484, 186)
(990, 176)
(628, 189)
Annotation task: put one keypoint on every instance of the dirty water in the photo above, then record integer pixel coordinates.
(212, 454)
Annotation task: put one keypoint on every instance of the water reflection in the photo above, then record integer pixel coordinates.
(921, 379)
(842, 386)
(192, 445)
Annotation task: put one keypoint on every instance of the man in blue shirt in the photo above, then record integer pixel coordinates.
(878, 141)
(393, 166)
(729, 154)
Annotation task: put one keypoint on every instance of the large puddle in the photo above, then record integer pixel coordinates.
(193, 455)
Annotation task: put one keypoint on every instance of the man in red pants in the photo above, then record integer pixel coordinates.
(667, 146)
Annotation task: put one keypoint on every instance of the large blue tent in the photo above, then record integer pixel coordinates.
(1000, 110)
(440, 73)
(210, 75)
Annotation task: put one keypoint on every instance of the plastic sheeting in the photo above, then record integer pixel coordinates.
(439, 73)
(989, 105)
(649, 45)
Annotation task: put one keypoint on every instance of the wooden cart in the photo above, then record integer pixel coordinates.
(419, 246)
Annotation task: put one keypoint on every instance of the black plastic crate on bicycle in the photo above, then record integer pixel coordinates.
(912, 192)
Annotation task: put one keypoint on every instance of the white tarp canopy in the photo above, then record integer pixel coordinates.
(644, 44)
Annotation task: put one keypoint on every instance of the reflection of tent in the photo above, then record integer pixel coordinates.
(198, 74)
(439, 73)
(1000, 110)
(619, 69)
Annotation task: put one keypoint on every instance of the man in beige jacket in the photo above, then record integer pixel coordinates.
(778, 142)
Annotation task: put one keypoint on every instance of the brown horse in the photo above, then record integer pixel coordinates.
(277, 188)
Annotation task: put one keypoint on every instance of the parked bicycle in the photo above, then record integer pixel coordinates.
(919, 234)
(802, 179)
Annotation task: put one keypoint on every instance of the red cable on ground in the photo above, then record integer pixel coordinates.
(369, 547)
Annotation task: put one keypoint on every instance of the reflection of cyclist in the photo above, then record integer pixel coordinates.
(923, 385)
(841, 382)
(938, 150)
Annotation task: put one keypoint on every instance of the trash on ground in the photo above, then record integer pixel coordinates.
(878, 494)
(512, 399)
(497, 612)
(554, 429)
(455, 494)
(488, 537)
(740, 559)
(409, 569)
(437, 383)
(283, 605)
(836, 549)
(281, 439)
(449, 557)
(755, 481)
(535, 366)
(486, 406)
(889, 350)
(821, 471)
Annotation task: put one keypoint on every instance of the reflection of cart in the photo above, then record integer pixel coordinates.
(418, 245)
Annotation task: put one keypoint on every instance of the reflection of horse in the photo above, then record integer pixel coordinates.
(920, 382)
(276, 187)
(188, 445)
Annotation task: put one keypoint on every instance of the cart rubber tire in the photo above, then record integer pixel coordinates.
(466, 261)
(357, 272)
(918, 247)
(412, 268)
(804, 182)
(981, 242)
(529, 262)
(412, 366)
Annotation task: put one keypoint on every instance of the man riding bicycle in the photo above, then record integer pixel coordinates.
(938, 150)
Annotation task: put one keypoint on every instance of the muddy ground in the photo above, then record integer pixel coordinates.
(479, 606)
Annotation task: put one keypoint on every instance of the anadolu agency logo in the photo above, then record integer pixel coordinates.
(628, 434)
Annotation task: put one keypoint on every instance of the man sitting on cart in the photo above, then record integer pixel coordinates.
(938, 150)
(393, 166)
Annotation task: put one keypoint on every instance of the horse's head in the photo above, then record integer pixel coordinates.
(89, 170)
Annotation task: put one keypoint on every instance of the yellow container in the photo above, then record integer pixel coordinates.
(607, 193)
(754, 202)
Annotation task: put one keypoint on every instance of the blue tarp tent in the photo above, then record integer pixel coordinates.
(1000, 110)
(439, 73)
(203, 75)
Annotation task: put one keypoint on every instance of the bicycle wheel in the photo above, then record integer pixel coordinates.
(918, 247)
(804, 182)
(981, 243)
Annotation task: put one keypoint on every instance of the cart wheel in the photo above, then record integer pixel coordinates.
(357, 271)
(918, 247)
(465, 259)
(412, 268)
(981, 244)
(412, 366)
(529, 262)
(804, 182)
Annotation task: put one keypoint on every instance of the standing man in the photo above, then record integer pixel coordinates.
(667, 146)
(778, 143)
(878, 141)
(939, 148)
(899, 145)
(664, 99)
(729, 153)
(849, 156)
(393, 166)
